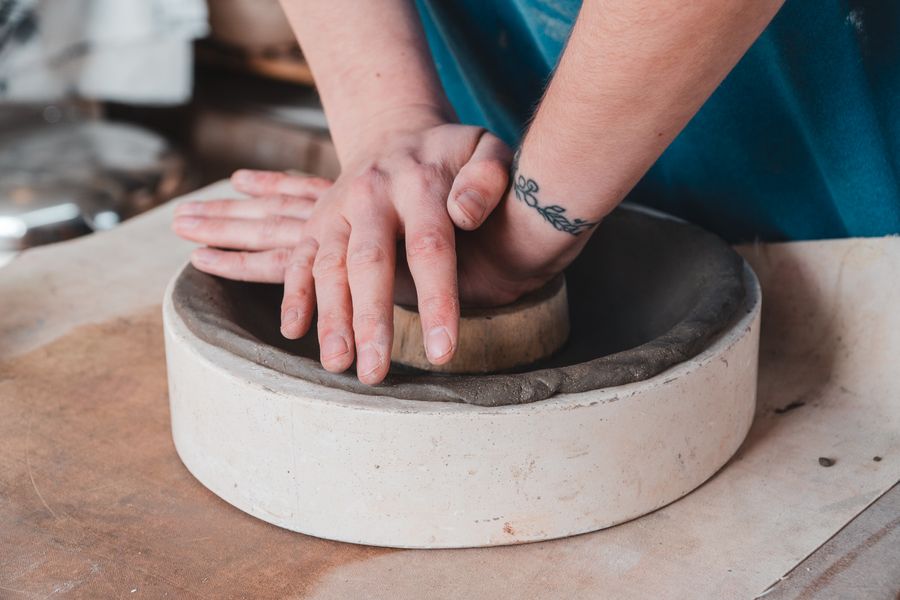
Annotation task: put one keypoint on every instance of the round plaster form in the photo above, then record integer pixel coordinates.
(419, 474)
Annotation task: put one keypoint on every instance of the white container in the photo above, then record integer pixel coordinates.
(416, 474)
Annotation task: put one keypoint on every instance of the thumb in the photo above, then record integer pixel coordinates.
(481, 183)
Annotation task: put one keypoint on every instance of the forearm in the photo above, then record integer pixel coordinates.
(631, 77)
(371, 64)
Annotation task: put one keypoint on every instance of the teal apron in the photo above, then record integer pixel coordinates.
(801, 141)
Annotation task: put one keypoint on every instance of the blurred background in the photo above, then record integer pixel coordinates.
(111, 107)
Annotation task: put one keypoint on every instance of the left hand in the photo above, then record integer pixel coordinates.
(250, 240)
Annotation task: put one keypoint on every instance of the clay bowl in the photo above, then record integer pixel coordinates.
(653, 392)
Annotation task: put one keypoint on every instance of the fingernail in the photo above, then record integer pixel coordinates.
(472, 204)
(189, 208)
(204, 256)
(289, 317)
(437, 343)
(368, 360)
(187, 222)
(334, 345)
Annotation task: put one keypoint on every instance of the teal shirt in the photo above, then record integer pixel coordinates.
(801, 140)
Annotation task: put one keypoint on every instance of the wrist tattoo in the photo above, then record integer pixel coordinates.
(526, 190)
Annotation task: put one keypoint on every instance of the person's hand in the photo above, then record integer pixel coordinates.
(345, 243)
(404, 187)
(250, 239)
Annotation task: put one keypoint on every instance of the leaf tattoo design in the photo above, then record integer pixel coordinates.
(526, 190)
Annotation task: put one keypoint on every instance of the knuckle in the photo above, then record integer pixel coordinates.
(489, 173)
(284, 203)
(299, 262)
(236, 264)
(329, 263)
(300, 296)
(428, 243)
(439, 307)
(402, 161)
(223, 208)
(282, 256)
(237, 260)
(366, 254)
(427, 171)
(476, 131)
(427, 180)
(272, 226)
(370, 315)
(302, 256)
(308, 246)
(368, 182)
(205, 225)
(333, 318)
(361, 187)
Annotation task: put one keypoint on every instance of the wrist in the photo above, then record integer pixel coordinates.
(548, 216)
(531, 251)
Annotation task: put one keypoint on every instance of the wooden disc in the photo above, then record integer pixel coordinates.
(492, 339)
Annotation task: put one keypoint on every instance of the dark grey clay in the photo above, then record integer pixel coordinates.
(646, 293)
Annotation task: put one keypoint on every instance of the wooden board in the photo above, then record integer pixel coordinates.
(95, 503)
(93, 498)
(861, 561)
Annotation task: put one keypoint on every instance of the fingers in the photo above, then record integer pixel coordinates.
(298, 303)
(259, 267)
(480, 184)
(274, 231)
(333, 298)
(431, 256)
(273, 183)
(253, 208)
(370, 268)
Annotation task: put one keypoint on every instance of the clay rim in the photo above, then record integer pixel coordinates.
(206, 306)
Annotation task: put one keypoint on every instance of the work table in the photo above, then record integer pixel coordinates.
(94, 501)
